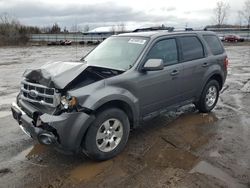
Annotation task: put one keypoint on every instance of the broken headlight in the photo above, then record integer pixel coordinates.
(68, 102)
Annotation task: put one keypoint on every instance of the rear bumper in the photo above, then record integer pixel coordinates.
(64, 132)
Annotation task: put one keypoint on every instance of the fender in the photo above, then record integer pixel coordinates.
(109, 94)
(99, 94)
(213, 70)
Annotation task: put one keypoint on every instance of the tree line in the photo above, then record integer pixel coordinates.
(222, 11)
(12, 32)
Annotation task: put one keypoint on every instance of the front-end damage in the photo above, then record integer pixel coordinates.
(62, 131)
(45, 110)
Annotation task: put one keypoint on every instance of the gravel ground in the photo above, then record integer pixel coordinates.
(178, 149)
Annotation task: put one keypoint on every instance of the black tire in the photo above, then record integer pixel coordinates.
(91, 144)
(202, 105)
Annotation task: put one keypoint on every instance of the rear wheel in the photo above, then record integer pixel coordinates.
(108, 134)
(209, 97)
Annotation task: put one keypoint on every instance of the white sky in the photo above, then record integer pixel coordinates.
(178, 13)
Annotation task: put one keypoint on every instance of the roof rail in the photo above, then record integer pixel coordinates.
(153, 29)
(169, 29)
(183, 29)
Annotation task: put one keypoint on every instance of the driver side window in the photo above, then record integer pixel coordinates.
(165, 50)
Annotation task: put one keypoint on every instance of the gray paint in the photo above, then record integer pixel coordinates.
(147, 93)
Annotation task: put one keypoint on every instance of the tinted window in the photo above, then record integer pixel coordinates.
(214, 44)
(165, 50)
(191, 48)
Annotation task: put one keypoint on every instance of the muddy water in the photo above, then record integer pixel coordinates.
(178, 149)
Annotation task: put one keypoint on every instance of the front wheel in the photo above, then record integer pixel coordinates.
(108, 134)
(209, 97)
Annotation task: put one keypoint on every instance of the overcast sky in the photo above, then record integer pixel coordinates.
(177, 13)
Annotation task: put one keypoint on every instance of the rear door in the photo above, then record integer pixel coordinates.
(158, 89)
(194, 65)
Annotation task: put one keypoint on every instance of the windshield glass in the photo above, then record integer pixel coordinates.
(117, 52)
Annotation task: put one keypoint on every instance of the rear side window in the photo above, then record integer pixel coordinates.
(165, 50)
(214, 44)
(191, 48)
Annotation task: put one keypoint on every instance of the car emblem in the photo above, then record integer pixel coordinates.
(33, 93)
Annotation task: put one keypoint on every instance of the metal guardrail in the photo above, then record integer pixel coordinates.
(99, 37)
(69, 37)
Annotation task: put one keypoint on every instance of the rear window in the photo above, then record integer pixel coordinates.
(214, 44)
(191, 48)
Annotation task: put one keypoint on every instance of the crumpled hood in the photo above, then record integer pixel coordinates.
(57, 75)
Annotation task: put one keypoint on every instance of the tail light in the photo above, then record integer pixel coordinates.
(226, 63)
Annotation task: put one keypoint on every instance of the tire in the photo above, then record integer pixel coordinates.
(107, 135)
(209, 97)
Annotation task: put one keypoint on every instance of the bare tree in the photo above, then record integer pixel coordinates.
(121, 27)
(65, 30)
(86, 28)
(55, 28)
(12, 32)
(112, 29)
(221, 12)
(240, 18)
(245, 13)
(74, 28)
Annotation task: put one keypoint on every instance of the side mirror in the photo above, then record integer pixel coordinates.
(153, 65)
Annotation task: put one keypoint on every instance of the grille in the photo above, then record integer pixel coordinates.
(39, 94)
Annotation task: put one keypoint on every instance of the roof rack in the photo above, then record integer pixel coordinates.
(169, 29)
(158, 28)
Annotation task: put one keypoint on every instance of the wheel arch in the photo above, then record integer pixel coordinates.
(124, 106)
(218, 78)
(213, 76)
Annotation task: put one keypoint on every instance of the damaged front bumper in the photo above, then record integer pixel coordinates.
(64, 131)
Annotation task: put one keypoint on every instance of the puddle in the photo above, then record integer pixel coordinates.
(190, 131)
(164, 155)
(197, 119)
(36, 150)
(29, 152)
(246, 88)
(22, 155)
(215, 154)
(204, 167)
(4, 171)
(87, 171)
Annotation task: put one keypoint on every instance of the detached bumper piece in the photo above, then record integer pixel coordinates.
(27, 125)
(64, 132)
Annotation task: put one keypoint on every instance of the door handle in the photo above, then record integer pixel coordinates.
(174, 72)
(205, 65)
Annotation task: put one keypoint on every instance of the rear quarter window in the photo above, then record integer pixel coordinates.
(214, 44)
(191, 48)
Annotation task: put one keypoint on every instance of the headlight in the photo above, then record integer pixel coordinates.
(68, 102)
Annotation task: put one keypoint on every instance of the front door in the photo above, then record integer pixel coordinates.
(159, 89)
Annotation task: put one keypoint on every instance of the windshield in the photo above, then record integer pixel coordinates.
(117, 52)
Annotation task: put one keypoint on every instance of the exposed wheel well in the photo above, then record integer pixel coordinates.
(121, 105)
(218, 78)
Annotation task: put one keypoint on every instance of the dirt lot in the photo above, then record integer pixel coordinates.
(178, 149)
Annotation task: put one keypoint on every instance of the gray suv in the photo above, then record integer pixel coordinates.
(90, 106)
